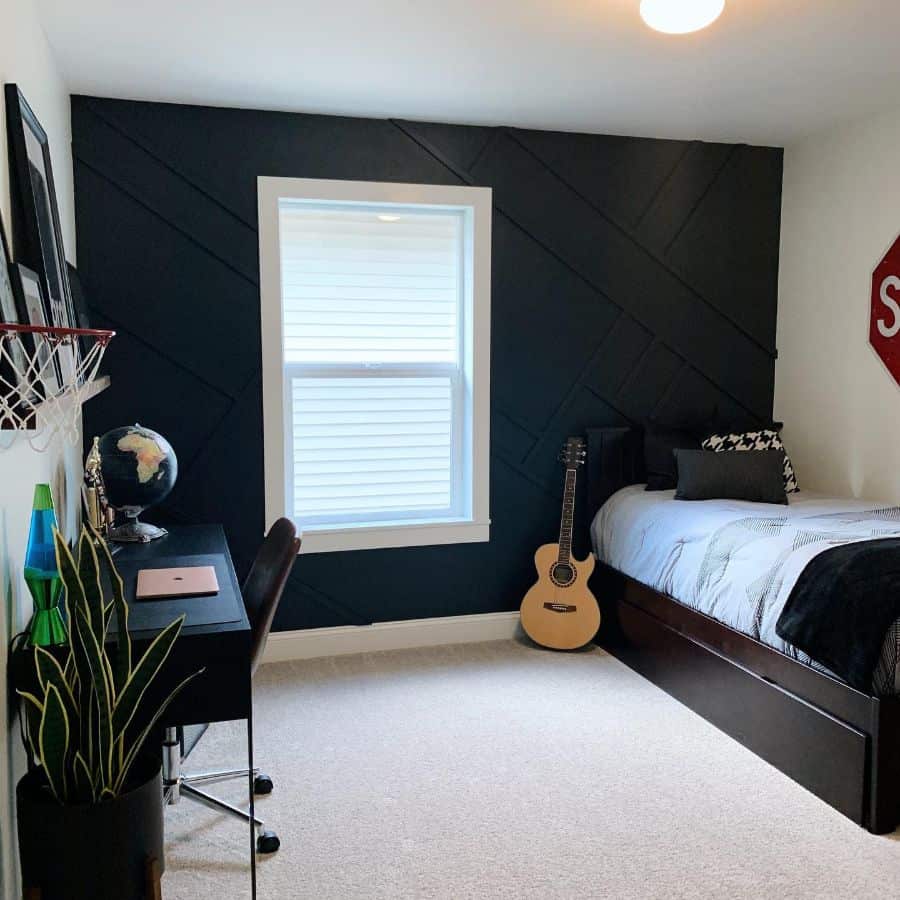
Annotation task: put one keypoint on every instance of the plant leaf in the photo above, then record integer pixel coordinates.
(86, 701)
(75, 600)
(84, 782)
(33, 710)
(88, 718)
(101, 691)
(107, 665)
(142, 737)
(50, 671)
(54, 742)
(144, 672)
(89, 573)
(123, 645)
(68, 572)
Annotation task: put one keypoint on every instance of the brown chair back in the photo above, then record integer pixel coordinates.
(265, 582)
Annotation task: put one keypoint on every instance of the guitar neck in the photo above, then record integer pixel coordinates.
(568, 517)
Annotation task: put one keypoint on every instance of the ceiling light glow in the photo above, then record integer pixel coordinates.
(387, 218)
(680, 16)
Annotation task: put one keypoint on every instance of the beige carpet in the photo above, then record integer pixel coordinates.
(499, 770)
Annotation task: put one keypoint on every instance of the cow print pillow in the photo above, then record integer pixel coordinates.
(766, 439)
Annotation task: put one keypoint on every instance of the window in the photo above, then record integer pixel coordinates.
(376, 342)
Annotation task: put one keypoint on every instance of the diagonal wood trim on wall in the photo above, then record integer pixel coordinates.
(632, 279)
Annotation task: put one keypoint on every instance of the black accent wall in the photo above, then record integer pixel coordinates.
(632, 278)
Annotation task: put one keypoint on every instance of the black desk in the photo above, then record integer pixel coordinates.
(222, 649)
(222, 692)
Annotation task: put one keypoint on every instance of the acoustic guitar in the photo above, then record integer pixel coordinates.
(560, 611)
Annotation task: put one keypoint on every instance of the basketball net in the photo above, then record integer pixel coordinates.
(45, 375)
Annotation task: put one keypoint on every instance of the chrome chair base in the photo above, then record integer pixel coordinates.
(176, 785)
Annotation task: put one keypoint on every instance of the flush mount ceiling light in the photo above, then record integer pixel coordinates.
(680, 16)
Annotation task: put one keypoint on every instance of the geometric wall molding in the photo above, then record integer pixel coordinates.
(632, 279)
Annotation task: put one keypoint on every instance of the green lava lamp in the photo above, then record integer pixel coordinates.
(42, 574)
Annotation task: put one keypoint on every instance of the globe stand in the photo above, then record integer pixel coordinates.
(132, 531)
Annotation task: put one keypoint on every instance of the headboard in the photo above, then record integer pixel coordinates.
(615, 459)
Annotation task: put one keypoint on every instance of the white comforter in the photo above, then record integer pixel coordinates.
(738, 561)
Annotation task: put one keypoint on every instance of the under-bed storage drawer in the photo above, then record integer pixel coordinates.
(822, 753)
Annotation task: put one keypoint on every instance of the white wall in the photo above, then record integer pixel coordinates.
(840, 213)
(25, 58)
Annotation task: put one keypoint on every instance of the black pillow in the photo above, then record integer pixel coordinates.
(755, 475)
(660, 442)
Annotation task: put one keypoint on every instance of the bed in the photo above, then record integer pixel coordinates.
(692, 595)
(738, 561)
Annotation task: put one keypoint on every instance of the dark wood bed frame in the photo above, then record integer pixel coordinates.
(841, 744)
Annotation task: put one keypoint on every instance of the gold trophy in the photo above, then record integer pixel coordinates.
(96, 507)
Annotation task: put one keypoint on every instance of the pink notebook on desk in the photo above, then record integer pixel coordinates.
(185, 581)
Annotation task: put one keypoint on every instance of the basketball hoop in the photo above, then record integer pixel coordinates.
(46, 373)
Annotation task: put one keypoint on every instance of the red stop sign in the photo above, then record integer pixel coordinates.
(884, 326)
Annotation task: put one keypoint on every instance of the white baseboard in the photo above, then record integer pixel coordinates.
(345, 639)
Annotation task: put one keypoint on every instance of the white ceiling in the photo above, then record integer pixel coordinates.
(768, 72)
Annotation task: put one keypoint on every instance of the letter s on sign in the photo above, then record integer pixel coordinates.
(892, 281)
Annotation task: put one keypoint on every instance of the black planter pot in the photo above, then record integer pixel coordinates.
(94, 851)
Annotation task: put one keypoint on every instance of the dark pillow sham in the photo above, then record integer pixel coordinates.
(660, 442)
(755, 475)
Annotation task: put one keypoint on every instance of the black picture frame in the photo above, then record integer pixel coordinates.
(29, 288)
(36, 229)
(9, 310)
(79, 304)
(14, 360)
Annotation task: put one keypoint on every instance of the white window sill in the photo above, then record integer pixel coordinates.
(324, 539)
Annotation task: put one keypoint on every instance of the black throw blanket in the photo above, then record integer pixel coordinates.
(842, 607)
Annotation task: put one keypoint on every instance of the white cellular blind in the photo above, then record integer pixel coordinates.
(371, 305)
(366, 446)
(363, 286)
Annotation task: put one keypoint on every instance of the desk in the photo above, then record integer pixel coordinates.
(222, 692)
(222, 648)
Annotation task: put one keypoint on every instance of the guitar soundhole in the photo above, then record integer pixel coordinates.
(562, 574)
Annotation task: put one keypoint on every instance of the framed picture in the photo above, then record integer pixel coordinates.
(14, 360)
(36, 230)
(28, 286)
(79, 303)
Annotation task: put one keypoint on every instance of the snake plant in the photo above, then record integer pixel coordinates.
(86, 722)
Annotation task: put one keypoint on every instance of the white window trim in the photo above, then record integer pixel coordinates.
(474, 527)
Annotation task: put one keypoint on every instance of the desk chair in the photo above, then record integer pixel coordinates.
(262, 593)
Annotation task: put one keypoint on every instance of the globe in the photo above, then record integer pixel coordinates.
(139, 468)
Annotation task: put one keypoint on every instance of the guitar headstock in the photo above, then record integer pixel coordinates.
(573, 452)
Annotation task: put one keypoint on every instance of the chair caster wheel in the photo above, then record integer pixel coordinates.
(262, 784)
(267, 842)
